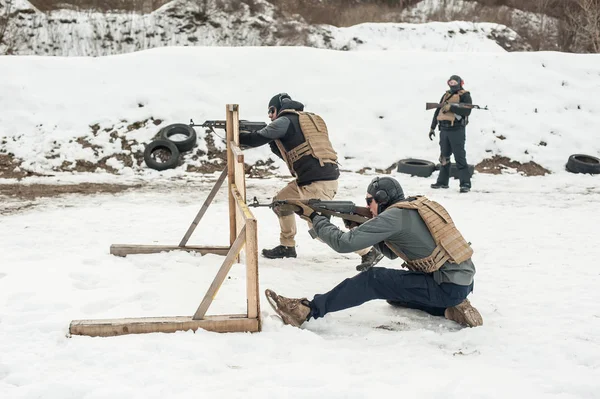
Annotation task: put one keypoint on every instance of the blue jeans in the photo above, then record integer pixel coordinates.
(410, 289)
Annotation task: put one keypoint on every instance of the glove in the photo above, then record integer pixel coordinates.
(446, 108)
(431, 134)
(350, 224)
(305, 212)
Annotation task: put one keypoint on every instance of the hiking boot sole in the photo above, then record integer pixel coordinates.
(464, 314)
(273, 300)
(277, 257)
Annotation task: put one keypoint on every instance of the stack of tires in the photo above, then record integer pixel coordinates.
(164, 152)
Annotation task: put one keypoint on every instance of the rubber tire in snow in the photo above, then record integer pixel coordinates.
(454, 170)
(166, 145)
(416, 167)
(581, 163)
(179, 128)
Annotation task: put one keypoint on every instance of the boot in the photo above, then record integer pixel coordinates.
(439, 185)
(369, 260)
(465, 189)
(279, 251)
(292, 311)
(464, 314)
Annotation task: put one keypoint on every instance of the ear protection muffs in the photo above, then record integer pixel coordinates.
(381, 197)
(284, 96)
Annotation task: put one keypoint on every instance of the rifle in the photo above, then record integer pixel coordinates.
(346, 210)
(244, 125)
(429, 106)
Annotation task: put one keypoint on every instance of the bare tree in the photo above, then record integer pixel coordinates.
(5, 15)
(584, 22)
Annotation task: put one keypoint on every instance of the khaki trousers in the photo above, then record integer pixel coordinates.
(324, 190)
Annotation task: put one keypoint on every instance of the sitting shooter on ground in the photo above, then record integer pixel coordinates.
(313, 163)
(418, 230)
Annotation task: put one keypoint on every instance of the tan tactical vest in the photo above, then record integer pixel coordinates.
(316, 141)
(451, 98)
(450, 244)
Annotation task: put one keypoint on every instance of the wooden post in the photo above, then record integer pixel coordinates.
(230, 170)
(205, 206)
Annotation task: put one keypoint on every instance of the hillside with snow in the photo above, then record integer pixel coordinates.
(214, 23)
(88, 114)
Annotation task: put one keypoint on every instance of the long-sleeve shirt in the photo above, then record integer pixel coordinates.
(402, 228)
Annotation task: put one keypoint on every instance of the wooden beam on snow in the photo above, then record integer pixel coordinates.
(113, 327)
(128, 249)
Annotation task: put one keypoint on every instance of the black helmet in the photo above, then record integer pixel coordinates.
(386, 191)
(277, 99)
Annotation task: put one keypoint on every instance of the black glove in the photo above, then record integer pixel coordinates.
(305, 212)
(431, 134)
(350, 224)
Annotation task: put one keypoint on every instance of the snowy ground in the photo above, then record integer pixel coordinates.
(536, 287)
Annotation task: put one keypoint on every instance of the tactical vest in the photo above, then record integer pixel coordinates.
(450, 244)
(450, 98)
(316, 141)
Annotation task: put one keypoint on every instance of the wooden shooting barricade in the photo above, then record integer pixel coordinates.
(242, 232)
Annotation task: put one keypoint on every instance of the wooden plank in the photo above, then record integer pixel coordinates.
(241, 204)
(240, 171)
(252, 269)
(237, 152)
(128, 249)
(113, 327)
(207, 202)
(221, 275)
(230, 171)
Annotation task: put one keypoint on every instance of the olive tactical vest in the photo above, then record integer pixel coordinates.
(450, 244)
(316, 141)
(450, 98)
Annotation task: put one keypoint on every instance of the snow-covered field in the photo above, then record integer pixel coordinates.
(535, 243)
(535, 238)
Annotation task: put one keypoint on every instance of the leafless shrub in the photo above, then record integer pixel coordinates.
(100, 5)
(583, 18)
(5, 15)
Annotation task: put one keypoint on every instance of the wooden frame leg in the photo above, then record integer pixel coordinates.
(221, 275)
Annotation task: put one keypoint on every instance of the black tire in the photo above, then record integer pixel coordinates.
(184, 145)
(416, 167)
(454, 170)
(581, 163)
(166, 150)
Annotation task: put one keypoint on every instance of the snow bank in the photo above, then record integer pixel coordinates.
(543, 106)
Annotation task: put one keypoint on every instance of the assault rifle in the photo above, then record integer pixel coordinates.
(346, 210)
(429, 106)
(244, 125)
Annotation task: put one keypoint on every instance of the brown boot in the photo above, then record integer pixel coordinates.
(464, 314)
(292, 311)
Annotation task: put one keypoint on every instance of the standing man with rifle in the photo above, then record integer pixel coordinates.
(301, 139)
(452, 117)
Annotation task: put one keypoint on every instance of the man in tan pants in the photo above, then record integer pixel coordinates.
(302, 141)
